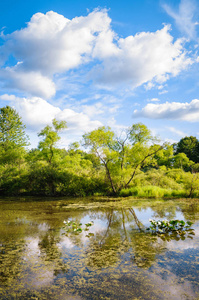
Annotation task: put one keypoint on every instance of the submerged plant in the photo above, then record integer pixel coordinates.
(176, 229)
(72, 227)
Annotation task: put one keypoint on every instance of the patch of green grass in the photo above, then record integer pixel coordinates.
(152, 192)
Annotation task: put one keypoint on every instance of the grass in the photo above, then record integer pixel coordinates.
(152, 192)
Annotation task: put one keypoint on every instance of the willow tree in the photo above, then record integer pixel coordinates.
(122, 156)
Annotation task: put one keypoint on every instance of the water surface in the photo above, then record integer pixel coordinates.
(118, 260)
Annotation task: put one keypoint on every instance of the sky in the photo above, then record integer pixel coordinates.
(101, 63)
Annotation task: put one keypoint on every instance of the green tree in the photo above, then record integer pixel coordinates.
(189, 146)
(45, 176)
(12, 129)
(191, 184)
(164, 156)
(181, 160)
(13, 138)
(50, 139)
(122, 156)
(103, 144)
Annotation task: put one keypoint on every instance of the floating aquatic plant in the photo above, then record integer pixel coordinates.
(172, 228)
(76, 228)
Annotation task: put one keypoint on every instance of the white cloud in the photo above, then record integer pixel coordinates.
(114, 108)
(116, 127)
(30, 82)
(153, 100)
(170, 141)
(6, 97)
(77, 121)
(177, 131)
(184, 18)
(95, 109)
(163, 92)
(147, 57)
(51, 45)
(149, 85)
(107, 106)
(37, 113)
(174, 110)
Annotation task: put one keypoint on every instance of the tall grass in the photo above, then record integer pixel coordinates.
(152, 192)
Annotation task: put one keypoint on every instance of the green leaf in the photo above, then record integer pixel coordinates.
(189, 223)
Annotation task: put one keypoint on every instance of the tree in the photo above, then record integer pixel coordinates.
(189, 146)
(13, 138)
(164, 156)
(12, 129)
(122, 156)
(180, 160)
(102, 143)
(50, 139)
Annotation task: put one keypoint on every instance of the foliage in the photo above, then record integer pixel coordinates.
(189, 146)
(164, 156)
(130, 164)
(13, 179)
(50, 138)
(12, 130)
(191, 184)
(13, 138)
(122, 156)
(171, 229)
(72, 227)
(181, 160)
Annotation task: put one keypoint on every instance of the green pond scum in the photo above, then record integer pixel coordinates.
(99, 249)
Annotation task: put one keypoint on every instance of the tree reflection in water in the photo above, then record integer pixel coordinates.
(124, 234)
(50, 251)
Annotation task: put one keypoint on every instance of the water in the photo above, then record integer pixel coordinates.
(117, 260)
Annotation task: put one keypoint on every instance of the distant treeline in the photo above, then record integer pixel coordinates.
(132, 164)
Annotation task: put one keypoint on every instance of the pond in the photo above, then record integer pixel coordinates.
(110, 256)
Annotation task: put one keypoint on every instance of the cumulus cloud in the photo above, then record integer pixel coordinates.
(78, 121)
(6, 97)
(145, 57)
(184, 17)
(51, 45)
(37, 113)
(174, 110)
(30, 82)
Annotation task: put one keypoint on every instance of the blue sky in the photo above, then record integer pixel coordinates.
(95, 63)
